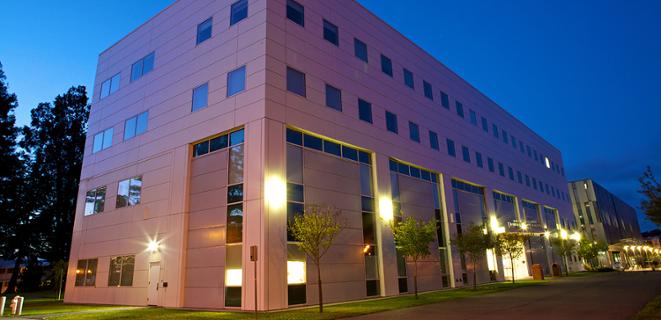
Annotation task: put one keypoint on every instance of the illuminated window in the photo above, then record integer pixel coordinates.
(120, 273)
(95, 200)
(86, 273)
(547, 162)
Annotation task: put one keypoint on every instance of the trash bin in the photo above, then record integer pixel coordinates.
(537, 272)
(555, 270)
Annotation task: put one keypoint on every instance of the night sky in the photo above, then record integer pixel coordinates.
(585, 75)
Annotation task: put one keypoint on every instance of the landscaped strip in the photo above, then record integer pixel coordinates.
(334, 311)
(652, 310)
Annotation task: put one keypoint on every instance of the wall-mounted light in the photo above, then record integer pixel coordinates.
(153, 246)
(385, 208)
(563, 234)
(275, 192)
(495, 225)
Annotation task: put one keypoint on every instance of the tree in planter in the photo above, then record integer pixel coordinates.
(511, 244)
(315, 230)
(563, 247)
(651, 189)
(473, 243)
(589, 251)
(412, 238)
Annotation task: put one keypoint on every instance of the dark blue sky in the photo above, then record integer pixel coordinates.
(584, 74)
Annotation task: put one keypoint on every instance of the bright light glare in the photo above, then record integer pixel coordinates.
(275, 192)
(547, 162)
(576, 236)
(563, 234)
(524, 226)
(233, 277)
(385, 208)
(547, 234)
(152, 246)
(495, 225)
(295, 272)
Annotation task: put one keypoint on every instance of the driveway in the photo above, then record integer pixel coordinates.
(604, 296)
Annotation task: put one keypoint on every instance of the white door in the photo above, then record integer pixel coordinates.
(152, 288)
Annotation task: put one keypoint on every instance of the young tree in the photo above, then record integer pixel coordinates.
(412, 238)
(651, 189)
(511, 244)
(589, 251)
(563, 247)
(315, 231)
(473, 243)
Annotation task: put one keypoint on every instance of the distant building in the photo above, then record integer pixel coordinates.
(215, 122)
(602, 216)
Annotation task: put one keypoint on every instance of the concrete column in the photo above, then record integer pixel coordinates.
(384, 237)
(447, 202)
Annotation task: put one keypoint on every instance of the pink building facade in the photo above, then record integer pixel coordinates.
(216, 122)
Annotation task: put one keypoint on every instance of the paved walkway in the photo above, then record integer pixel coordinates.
(605, 296)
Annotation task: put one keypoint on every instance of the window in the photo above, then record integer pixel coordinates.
(466, 154)
(414, 131)
(296, 12)
(102, 140)
(135, 126)
(451, 151)
(494, 128)
(445, 100)
(204, 30)
(519, 176)
(333, 97)
(501, 169)
(485, 125)
(142, 66)
(86, 273)
(473, 117)
(331, 33)
(505, 140)
(120, 273)
(365, 110)
(391, 122)
(110, 86)
(239, 11)
(460, 108)
(547, 162)
(490, 164)
(426, 86)
(360, 49)
(510, 173)
(408, 78)
(95, 200)
(128, 192)
(478, 159)
(386, 65)
(433, 140)
(236, 81)
(200, 97)
(296, 82)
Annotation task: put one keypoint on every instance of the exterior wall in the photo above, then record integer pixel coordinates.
(183, 203)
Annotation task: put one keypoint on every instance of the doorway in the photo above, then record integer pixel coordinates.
(152, 288)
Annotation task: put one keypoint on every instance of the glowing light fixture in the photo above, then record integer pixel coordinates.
(626, 248)
(563, 234)
(576, 236)
(275, 192)
(295, 272)
(385, 208)
(495, 225)
(366, 248)
(547, 234)
(153, 246)
(233, 277)
(524, 226)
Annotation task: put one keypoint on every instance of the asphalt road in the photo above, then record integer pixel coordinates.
(603, 296)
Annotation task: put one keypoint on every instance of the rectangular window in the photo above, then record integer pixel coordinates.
(200, 97)
(135, 126)
(414, 131)
(445, 100)
(239, 11)
(333, 97)
(142, 66)
(519, 176)
(296, 81)
(95, 200)
(86, 273)
(408, 78)
(204, 30)
(478, 159)
(120, 273)
(433, 140)
(485, 125)
(110, 86)
(473, 117)
(501, 169)
(429, 93)
(331, 33)
(505, 139)
(102, 140)
(386, 65)
(460, 108)
(510, 173)
(451, 151)
(129, 192)
(466, 154)
(360, 49)
(365, 110)
(490, 164)
(494, 128)
(391, 122)
(236, 81)
(296, 12)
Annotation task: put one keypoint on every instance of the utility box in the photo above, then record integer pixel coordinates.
(537, 272)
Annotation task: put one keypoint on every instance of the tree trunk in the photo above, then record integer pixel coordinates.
(566, 266)
(474, 274)
(11, 287)
(415, 278)
(512, 265)
(321, 296)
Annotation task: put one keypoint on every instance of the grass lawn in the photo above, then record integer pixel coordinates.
(652, 310)
(330, 311)
(45, 302)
